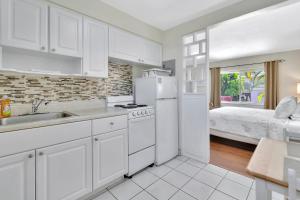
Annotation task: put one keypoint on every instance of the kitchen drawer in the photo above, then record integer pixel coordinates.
(109, 124)
(141, 159)
(28, 139)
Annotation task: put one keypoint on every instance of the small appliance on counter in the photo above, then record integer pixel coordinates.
(156, 72)
(141, 132)
(161, 93)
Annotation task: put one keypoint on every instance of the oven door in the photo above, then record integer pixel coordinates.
(141, 133)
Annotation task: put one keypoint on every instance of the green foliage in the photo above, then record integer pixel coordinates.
(260, 97)
(230, 84)
(234, 84)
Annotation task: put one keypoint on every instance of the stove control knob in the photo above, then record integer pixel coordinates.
(133, 114)
(146, 112)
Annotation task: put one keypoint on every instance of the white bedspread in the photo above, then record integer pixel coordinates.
(248, 122)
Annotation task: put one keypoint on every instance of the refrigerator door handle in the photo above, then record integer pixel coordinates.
(166, 98)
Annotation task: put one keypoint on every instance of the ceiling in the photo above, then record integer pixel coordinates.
(267, 31)
(166, 14)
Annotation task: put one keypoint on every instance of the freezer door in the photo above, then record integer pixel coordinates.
(145, 91)
(166, 130)
(166, 87)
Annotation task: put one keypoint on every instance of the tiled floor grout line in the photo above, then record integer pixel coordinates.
(249, 191)
(191, 178)
(180, 189)
(239, 184)
(215, 189)
(186, 192)
(224, 177)
(147, 186)
(161, 178)
(112, 194)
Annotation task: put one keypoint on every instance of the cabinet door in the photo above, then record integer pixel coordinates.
(124, 45)
(95, 49)
(65, 32)
(152, 53)
(64, 171)
(17, 176)
(110, 157)
(24, 24)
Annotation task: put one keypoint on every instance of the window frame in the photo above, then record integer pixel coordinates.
(241, 69)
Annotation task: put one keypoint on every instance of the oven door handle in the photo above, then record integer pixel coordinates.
(142, 118)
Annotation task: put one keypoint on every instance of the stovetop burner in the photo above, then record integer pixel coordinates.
(131, 106)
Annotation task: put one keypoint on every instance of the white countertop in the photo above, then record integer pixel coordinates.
(79, 115)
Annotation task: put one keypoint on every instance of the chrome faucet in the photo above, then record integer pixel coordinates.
(36, 104)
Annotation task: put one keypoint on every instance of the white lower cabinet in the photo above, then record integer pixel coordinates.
(110, 157)
(17, 176)
(64, 171)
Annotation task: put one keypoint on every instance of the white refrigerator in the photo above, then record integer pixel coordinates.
(161, 92)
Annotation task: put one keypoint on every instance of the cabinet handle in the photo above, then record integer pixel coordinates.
(53, 50)
(43, 48)
(111, 123)
(41, 153)
(96, 139)
(30, 156)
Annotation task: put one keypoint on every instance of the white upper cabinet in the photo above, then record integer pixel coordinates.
(95, 48)
(17, 177)
(127, 46)
(152, 53)
(24, 24)
(64, 171)
(124, 45)
(65, 32)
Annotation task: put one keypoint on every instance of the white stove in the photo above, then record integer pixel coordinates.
(141, 132)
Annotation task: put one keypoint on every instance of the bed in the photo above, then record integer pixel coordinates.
(246, 124)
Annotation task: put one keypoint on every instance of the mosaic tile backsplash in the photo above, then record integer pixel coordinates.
(22, 88)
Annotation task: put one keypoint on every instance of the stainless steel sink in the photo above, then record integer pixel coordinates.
(34, 118)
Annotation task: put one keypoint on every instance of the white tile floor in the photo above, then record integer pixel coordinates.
(184, 179)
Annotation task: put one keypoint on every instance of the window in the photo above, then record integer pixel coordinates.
(195, 63)
(243, 85)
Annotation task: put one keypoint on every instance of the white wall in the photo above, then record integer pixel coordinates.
(289, 70)
(110, 15)
(172, 37)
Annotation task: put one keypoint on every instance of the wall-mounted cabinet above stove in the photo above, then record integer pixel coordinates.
(127, 46)
(40, 37)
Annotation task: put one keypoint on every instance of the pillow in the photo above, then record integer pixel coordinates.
(286, 107)
(297, 111)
